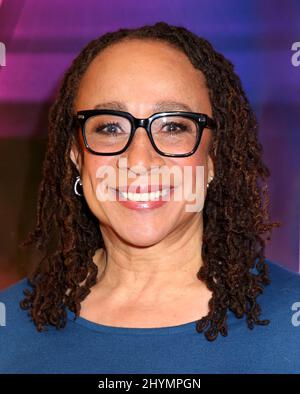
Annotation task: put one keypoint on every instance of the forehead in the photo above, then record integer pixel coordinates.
(143, 71)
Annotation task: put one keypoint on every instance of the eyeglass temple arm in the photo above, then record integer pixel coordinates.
(210, 123)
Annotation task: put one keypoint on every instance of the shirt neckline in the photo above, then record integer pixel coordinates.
(185, 327)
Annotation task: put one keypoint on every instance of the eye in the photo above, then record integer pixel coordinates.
(174, 127)
(107, 128)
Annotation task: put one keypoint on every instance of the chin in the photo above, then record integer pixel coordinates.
(142, 239)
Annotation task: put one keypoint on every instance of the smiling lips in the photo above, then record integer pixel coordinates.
(143, 193)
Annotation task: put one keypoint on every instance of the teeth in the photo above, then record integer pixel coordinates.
(144, 196)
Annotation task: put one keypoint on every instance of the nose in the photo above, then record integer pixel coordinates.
(140, 153)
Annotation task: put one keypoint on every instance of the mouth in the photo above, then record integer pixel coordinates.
(153, 196)
(143, 193)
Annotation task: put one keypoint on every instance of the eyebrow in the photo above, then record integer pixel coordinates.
(166, 105)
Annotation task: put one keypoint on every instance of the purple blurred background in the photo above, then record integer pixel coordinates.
(42, 38)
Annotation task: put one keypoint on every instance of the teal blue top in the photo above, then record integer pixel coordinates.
(87, 347)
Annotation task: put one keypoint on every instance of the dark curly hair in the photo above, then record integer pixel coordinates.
(236, 222)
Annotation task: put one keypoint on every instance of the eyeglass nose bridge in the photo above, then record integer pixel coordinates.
(141, 123)
(145, 123)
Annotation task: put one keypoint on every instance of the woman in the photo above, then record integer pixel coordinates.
(127, 285)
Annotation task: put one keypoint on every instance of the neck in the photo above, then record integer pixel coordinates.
(161, 271)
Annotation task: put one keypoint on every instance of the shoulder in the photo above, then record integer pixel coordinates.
(10, 295)
(284, 287)
(11, 312)
(284, 280)
(280, 302)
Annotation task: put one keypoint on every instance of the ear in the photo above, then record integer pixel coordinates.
(75, 156)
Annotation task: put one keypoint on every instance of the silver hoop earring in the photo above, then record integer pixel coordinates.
(211, 178)
(77, 181)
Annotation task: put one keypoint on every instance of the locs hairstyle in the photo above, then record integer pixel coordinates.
(235, 214)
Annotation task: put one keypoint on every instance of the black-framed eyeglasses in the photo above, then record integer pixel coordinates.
(176, 133)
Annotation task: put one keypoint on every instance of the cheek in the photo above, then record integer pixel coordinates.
(200, 157)
(95, 175)
(194, 164)
(92, 164)
(194, 175)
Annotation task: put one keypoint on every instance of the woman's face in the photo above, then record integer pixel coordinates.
(139, 75)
